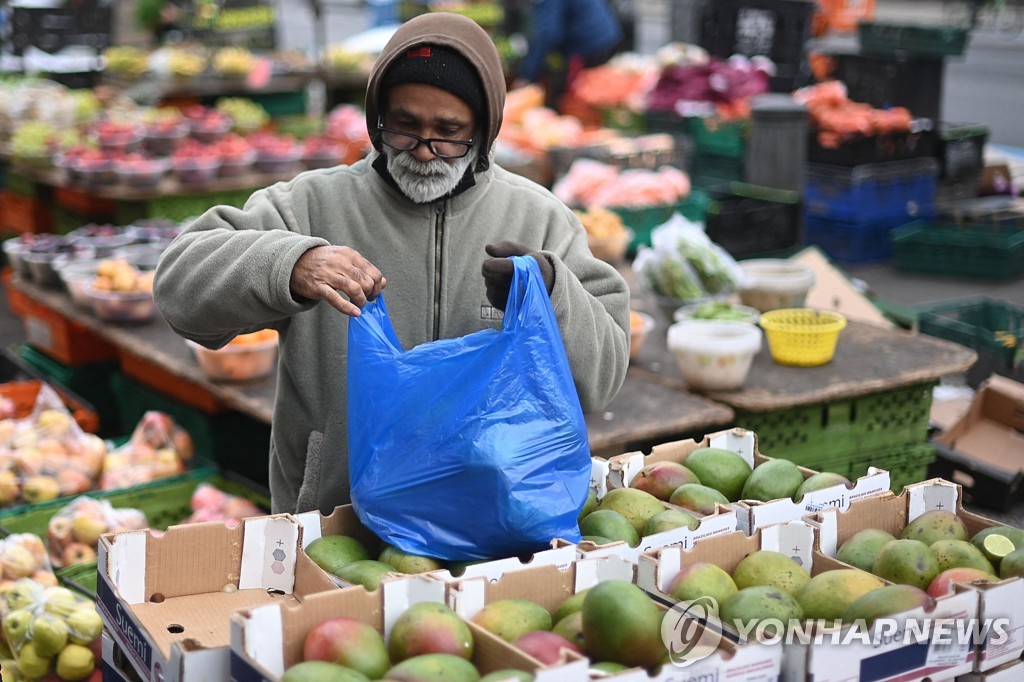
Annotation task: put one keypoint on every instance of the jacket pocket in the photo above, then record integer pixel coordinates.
(309, 492)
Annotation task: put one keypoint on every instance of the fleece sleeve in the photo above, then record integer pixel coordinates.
(229, 272)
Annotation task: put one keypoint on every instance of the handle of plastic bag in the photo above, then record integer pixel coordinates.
(527, 283)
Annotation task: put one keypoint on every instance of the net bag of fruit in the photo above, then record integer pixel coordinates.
(158, 448)
(473, 447)
(73, 533)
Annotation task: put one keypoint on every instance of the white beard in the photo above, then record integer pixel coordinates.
(426, 182)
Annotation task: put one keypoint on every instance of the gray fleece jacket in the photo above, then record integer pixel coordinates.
(229, 274)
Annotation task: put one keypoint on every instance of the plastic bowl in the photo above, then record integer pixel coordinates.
(77, 277)
(640, 325)
(40, 268)
(233, 166)
(273, 163)
(773, 283)
(611, 249)
(700, 311)
(197, 170)
(237, 361)
(121, 306)
(105, 245)
(162, 141)
(714, 356)
(15, 251)
(147, 173)
(802, 337)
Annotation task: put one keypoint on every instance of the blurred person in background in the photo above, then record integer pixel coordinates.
(566, 37)
(429, 216)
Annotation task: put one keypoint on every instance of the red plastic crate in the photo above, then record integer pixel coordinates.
(23, 214)
(159, 379)
(84, 203)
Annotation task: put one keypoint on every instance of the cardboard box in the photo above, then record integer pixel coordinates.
(166, 598)
(267, 640)
(891, 513)
(984, 450)
(1008, 672)
(828, 658)
(832, 290)
(549, 586)
(750, 514)
(113, 663)
(344, 521)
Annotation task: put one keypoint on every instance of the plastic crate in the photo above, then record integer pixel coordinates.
(179, 207)
(749, 221)
(84, 204)
(716, 137)
(906, 464)
(982, 324)
(948, 249)
(776, 29)
(866, 149)
(714, 171)
(934, 41)
(649, 152)
(982, 485)
(24, 215)
(644, 219)
(872, 191)
(894, 80)
(812, 435)
(853, 242)
(960, 148)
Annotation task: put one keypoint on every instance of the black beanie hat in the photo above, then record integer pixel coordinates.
(441, 67)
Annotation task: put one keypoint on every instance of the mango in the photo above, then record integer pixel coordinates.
(944, 582)
(588, 506)
(569, 605)
(334, 552)
(321, 671)
(827, 595)
(510, 619)
(1012, 565)
(429, 628)
(906, 562)
(607, 523)
(938, 524)
(862, 548)
(598, 540)
(403, 562)
(697, 498)
(350, 643)
(571, 628)
(772, 480)
(885, 601)
(819, 481)
(367, 573)
(636, 505)
(457, 568)
(748, 607)
(547, 647)
(1009, 539)
(662, 478)
(703, 579)
(723, 470)
(670, 519)
(960, 554)
(772, 569)
(622, 624)
(434, 668)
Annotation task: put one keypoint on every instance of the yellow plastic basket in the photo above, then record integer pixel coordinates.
(802, 337)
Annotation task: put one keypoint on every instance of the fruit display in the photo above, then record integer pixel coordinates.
(245, 357)
(23, 555)
(233, 62)
(195, 163)
(320, 151)
(346, 123)
(341, 59)
(246, 115)
(126, 61)
(139, 170)
(207, 124)
(158, 448)
(185, 64)
(34, 143)
(275, 154)
(47, 455)
(236, 155)
(212, 504)
(73, 533)
(49, 630)
(607, 235)
(165, 127)
(122, 293)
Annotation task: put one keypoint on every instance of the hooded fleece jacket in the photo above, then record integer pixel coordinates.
(229, 273)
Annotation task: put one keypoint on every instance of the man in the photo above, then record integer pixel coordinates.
(424, 216)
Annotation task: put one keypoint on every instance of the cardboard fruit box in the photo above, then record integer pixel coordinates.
(166, 597)
(892, 513)
(266, 640)
(750, 514)
(549, 586)
(828, 658)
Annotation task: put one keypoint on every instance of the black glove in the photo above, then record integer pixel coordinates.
(497, 271)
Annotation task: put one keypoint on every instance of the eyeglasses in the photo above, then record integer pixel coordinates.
(439, 147)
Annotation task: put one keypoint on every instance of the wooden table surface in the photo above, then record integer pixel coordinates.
(645, 411)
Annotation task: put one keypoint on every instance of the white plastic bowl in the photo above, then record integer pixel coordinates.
(773, 283)
(237, 362)
(638, 334)
(714, 356)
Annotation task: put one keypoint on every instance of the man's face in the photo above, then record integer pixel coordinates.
(430, 113)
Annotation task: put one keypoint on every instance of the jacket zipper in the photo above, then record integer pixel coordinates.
(438, 240)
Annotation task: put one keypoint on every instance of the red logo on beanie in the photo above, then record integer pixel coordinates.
(423, 52)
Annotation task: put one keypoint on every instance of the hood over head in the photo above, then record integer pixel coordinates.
(457, 33)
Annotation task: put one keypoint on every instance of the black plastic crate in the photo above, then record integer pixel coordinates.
(992, 327)
(776, 29)
(918, 39)
(916, 143)
(982, 485)
(960, 148)
(748, 221)
(895, 80)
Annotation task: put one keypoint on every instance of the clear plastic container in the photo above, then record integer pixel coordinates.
(15, 251)
(773, 283)
(237, 361)
(197, 170)
(719, 311)
(163, 139)
(610, 249)
(233, 166)
(714, 356)
(77, 277)
(640, 327)
(142, 256)
(121, 306)
(278, 163)
(141, 173)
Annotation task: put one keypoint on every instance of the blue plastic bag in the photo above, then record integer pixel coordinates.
(468, 448)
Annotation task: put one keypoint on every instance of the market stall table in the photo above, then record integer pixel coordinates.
(645, 411)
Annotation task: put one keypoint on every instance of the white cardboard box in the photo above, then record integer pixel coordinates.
(166, 598)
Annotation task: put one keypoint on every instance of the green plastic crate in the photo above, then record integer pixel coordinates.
(709, 172)
(643, 220)
(917, 39)
(179, 207)
(19, 184)
(714, 137)
(906, 464)
(984, 252)
(813, 435)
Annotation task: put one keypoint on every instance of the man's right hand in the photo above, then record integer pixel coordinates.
(324, 271)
